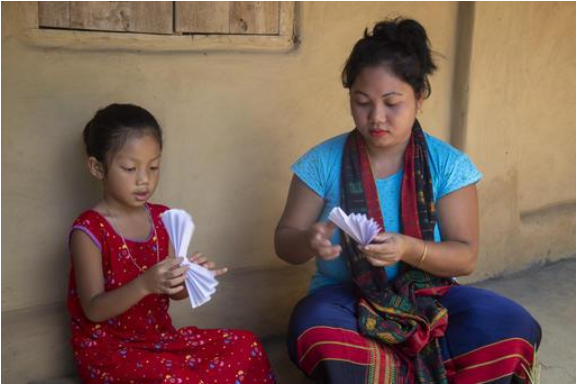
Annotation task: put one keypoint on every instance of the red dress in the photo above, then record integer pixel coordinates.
(141, 345)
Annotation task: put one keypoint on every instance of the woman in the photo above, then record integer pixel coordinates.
(391, 312)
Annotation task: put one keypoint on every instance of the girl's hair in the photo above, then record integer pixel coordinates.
(399, 44)
(111, 126)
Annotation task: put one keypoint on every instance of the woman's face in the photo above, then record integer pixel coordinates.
(383, 107)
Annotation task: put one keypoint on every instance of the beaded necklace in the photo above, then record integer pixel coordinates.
(125, 246)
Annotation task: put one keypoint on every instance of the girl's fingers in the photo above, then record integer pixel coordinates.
(168, 264)
(199, 259)
(221, 271)
(172, 291)
(176, 281)
(209, 265)
(177, 271)
(170, 261)
(173, 262)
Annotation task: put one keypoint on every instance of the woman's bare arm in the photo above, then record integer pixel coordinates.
(298, 237)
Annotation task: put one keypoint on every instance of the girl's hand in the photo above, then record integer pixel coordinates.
(386, 249)
(166, 277)
(319, 240)
(199, 259)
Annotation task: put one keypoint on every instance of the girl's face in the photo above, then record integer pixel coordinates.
(383, 107)
(133, 172)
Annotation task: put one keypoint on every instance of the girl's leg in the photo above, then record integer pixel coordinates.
(228, 355)
(200, 355)
(489, 338)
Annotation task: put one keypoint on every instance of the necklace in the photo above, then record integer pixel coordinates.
(125, 246)
(372, 167)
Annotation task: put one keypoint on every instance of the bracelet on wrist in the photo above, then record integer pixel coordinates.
(423, 255)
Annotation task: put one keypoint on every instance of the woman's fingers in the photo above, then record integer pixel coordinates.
(376, 249)
(320, 241)
(329, 253)
(323, 246)
(379, 262)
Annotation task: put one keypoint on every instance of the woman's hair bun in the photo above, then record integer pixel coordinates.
(406, 35)
(400, 43)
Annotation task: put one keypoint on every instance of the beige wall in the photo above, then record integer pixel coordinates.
(234, 122)
(521, 131)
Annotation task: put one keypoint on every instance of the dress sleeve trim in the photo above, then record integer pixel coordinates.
(87, 231)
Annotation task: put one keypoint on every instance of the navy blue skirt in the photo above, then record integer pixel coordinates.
(490, 339)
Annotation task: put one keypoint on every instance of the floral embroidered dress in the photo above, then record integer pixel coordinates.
(141, 345)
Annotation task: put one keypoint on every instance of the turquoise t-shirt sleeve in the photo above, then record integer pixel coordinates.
(451, 168)
(319, 167)
(310, 170)
(459, 173)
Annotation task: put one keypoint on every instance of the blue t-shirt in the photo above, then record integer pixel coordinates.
(320, 170)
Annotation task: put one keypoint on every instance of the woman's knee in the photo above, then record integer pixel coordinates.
(490, 312)
(333, 306)
(330, 306)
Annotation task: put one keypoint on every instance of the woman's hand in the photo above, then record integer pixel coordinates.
(166, 277)
(199, 259)
(319, 241)
(386, 249)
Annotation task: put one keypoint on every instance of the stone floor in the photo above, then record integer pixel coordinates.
(547, 291)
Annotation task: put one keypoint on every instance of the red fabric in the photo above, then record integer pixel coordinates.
(491, 362)
(141, 345)
(409, 208)
(321, 343)
(369, 184)
(482, 365)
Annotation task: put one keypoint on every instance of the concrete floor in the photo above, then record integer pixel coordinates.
(547, 291)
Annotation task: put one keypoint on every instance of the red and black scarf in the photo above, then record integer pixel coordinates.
(403, 314)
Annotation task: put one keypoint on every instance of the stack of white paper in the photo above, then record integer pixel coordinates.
(199, 281)
(360, 228)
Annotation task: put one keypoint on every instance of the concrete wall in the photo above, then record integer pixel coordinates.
(234, 122)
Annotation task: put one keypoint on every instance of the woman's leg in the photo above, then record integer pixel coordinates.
(325, 344)
(489, 338)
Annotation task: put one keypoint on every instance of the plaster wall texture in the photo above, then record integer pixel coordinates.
(235, 121)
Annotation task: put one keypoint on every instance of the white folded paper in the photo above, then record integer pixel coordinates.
(200, 282)
(360, 228)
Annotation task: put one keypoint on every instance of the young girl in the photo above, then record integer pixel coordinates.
(124, 272)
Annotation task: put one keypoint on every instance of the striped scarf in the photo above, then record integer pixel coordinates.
(405, 314)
